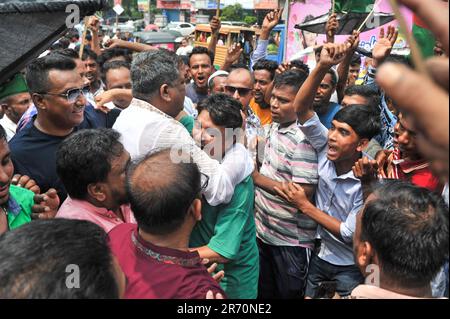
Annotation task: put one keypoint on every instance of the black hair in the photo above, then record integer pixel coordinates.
(301, 66)
(201, 50)
(185, 59)
(89, 54)
(267, 65)
(85, 158)
(38, 259)
(292, 78)
(72, 33)
(356, 60)
(161, 191)
(334, 76)
(3, 134)
(224, 110)
(408, 228)
(113, 65)
(152, 69)
(114, 53)
(361, 119)
(238, 66)
(38, 70)
(69, 53)
(367, 91)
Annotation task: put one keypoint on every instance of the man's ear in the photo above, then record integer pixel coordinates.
(97, 191)
(4, 107)
(364, 254)
(164, 92)
(196, 209)
(362, 145)
(39, 101)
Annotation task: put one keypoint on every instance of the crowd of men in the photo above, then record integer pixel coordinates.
(163, 176)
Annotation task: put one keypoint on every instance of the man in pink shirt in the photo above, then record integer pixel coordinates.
(154, 254)
(92, 165)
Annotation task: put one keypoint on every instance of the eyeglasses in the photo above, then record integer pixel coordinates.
(71, 95)
(242, 91)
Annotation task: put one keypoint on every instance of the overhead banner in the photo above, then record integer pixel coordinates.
(302, 12)
(266, 4)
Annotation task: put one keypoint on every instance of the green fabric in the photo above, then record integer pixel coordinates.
(24, 198)
(230, 231)
(15, 86)
(188, 123)
(359, 6)
(425, 40)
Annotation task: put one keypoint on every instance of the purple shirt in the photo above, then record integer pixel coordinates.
(155, 272)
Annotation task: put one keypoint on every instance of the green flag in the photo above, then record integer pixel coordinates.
(424, 37)
(358, 6)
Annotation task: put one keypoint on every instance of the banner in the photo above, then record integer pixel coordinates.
(266, 4)
(298, 40)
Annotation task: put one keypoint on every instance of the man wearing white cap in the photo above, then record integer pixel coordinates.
(217, 82)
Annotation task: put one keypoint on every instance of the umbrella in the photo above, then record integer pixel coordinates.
(28, 28)
(347, 22)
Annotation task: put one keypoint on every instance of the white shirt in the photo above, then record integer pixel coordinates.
(9, 126)
(145, 128)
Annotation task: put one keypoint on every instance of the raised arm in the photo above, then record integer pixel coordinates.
(332, 54)
(270, 21)
(331, 27)
(215, 31)
(133, 46)
(344, 67)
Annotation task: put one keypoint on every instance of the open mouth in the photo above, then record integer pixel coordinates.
(332, 150)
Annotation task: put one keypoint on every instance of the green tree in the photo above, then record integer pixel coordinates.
(232, 13)
(250, 20)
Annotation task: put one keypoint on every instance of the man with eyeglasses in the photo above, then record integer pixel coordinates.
(239, 85)
(59, 94)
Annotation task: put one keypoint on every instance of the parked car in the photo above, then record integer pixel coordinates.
(184, 28)
(163, 39)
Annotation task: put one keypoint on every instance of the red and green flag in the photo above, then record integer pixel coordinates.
(424, 37)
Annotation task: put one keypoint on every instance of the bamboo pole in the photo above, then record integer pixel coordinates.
(218, 9)
(367, 19)
(83, 37)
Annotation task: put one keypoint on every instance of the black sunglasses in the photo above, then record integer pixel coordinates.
(241, 91)
(71, 95)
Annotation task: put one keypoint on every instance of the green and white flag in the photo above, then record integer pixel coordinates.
(356, 6)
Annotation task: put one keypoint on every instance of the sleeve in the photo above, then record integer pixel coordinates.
(348, 227)
(316, 133)
(223, 178)
(304, 164)
(260, 52)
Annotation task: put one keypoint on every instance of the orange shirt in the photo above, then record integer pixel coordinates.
(265, 116)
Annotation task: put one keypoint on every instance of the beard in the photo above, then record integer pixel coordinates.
(321, 107)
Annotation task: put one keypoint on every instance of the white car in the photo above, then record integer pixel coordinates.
(184, 28)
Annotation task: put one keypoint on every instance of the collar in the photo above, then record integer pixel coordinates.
(292, 129)
(102, 211)
(165, 255)
(145, 105)
(408, 166)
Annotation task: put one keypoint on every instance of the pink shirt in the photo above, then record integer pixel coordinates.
(80, 209)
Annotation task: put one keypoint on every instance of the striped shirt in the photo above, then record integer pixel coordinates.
(288, 157)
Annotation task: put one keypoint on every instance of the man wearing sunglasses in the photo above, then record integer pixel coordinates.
(59, 94)
(239, 85)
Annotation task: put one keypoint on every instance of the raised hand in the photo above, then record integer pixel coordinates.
(333, 54)
(215, 25)
(272, 19)
(384, 45)
(331, 27)
(234, 52)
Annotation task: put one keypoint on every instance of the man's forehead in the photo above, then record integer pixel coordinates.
(201, 58)
(59, 79)
(242, 77)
